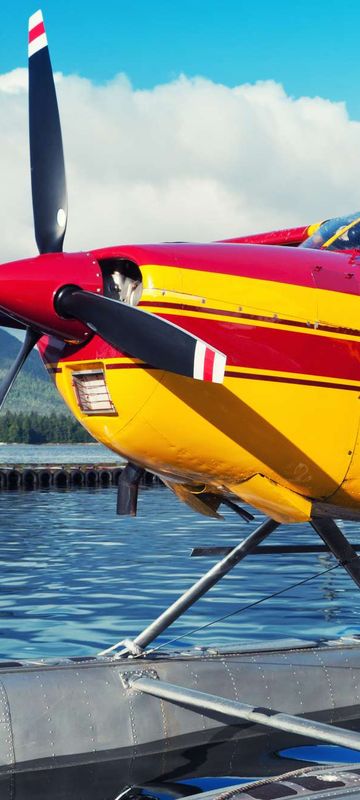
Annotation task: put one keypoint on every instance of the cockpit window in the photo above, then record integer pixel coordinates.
(348, 238)
(329, 234)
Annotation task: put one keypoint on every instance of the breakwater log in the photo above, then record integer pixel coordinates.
(63, 476)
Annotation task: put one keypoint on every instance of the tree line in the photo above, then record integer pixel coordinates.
(39, 429)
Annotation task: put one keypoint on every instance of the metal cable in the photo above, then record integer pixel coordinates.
(237, 611)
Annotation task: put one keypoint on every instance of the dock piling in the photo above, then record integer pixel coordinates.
(30, 477)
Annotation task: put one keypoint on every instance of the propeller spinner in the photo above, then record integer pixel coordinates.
(79, 308)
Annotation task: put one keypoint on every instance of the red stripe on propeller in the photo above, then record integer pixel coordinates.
(37, 31)
(209, 364)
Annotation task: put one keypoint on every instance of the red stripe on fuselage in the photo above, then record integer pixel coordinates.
(243, 315)
(244, 375)
(38, 30)
(248, 346)
(278, 350)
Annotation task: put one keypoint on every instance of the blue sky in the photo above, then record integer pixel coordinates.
(195, 159)
(309, 47)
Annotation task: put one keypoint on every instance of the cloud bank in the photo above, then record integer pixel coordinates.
(188, 160)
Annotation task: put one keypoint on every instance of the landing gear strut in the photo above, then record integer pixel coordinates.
(334, 542)
(339, 546)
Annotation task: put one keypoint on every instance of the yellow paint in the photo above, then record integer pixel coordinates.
(348, 495)
(228, 293)
(313, 228)
(299, 437)
(273, 500)
(195, 497)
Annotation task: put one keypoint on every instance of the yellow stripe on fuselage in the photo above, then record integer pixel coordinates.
(301, 436)
(252, 295)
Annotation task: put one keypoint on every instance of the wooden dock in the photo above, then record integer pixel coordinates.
(62, 476)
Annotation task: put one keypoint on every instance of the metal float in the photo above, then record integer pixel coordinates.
(131, 699)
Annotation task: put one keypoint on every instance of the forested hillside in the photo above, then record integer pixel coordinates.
(37, 429)
(33, 390)
(33, 411)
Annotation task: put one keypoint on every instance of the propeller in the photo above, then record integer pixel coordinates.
(48, 181)
(31, 337)
(47, 171)
(158, 343)
(142, 335)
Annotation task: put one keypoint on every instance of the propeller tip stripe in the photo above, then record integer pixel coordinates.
(37, 35)
(209, 364)
(35, 20)
(219, 368)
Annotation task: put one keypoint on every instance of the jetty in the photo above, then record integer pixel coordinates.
(63, 476)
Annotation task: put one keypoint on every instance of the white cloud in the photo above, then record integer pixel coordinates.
(186, 160)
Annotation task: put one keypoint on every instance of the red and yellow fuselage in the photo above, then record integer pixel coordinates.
(282, 432)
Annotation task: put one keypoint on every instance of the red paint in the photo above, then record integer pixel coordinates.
(28, 288)
(278, 349)
(330, 279)
(247, 376)
(255, 317)
(38, 30)
(246, 346)
(209, 364)
(289, 265)
(287, 236)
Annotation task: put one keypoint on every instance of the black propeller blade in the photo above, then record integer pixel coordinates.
(30, 340)
(142, 335)
(155, 341)
(46, 150)
(47, 172)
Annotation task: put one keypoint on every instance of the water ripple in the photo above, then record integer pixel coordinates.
(74, 577)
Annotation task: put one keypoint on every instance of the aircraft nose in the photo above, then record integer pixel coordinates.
(28, 289)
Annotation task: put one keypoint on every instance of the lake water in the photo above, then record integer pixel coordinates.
(75, 578)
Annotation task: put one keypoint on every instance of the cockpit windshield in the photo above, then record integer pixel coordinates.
(339, 233)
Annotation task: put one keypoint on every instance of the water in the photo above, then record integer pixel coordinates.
(75, 578)
(56, 454)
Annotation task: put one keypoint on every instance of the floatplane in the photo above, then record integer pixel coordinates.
(232, 371)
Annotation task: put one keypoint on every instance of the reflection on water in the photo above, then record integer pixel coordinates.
(75, 578)
(322, 754)
(225, 761)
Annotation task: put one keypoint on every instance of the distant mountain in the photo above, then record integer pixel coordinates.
(33, 389)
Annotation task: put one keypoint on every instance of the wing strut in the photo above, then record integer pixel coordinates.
(339, 546)
(215, 706)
